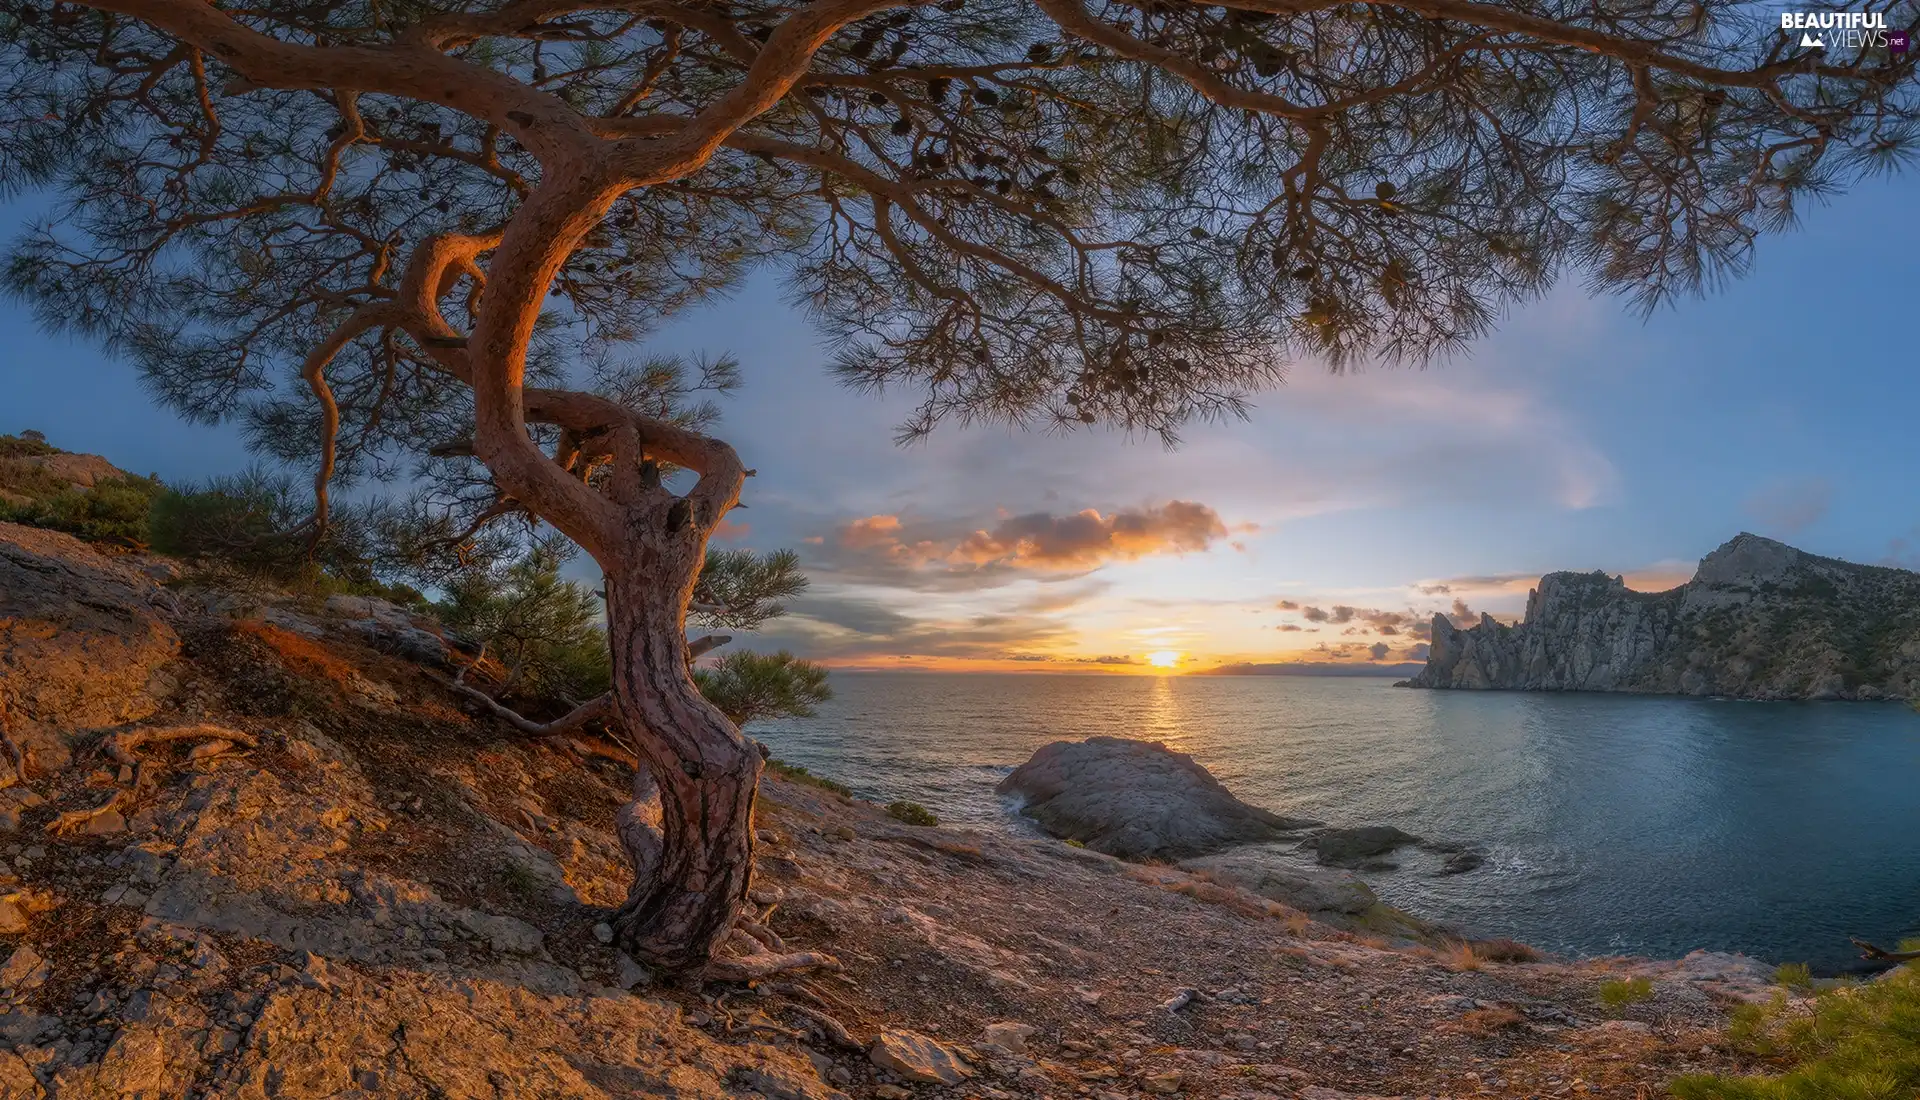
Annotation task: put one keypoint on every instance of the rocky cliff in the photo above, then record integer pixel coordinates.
(1759, 620)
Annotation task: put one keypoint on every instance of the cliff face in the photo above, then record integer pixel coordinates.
(1759, 620)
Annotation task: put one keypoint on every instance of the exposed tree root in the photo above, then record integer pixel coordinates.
(1869, 951)
(590, 711)
(766, 937)
(583, 748)
(748, 968)
(74, 821)
(119, 748)
(833, 1030)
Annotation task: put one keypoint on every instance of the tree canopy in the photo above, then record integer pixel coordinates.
(1060, 211)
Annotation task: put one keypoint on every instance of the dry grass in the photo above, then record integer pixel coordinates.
(1460, 956)
(1491, 1021)
(1201, 887)
(1506, 951)
(298, 653)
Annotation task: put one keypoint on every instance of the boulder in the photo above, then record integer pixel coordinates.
(1357, 847)
(1008, 1036)
(918, 1058)
(389, 628)
(1308, 889)
(1138, 800)
(82, 641)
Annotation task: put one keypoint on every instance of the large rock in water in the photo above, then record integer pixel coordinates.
(82, 643)
(1138, 800)
(1759, 620)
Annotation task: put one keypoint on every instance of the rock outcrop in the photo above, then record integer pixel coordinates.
(340, 885)
(1314, 890)
(1138, 800)
(83, 642)
(1759, 620)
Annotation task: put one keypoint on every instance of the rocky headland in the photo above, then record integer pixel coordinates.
(252, 844)
(1759, 620)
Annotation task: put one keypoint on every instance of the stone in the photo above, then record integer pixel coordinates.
(916, 1057)
(105, 824)
(785, 1082)
(24, 969)
(1461, 862)
(1137, 800)
(17, 908)
(1307, 888)
(1358, 846)
(633, 974)
(1163, 1083)
(603, 932)
(1007, 1036)
(17, 1081)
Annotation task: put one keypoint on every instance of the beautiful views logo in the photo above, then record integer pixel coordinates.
(1844, 30)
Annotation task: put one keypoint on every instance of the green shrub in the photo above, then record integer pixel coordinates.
(1793, 976)
(1857, 1042)
(544, 630)
(798, 774)
(1625, 991)
(913, 813)
(237, 521)
(111, 510)
(28, 444)
(748, 686)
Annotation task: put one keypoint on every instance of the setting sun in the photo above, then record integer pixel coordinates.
(1164, 658)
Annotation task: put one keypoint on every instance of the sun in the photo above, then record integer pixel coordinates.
(1164, 658)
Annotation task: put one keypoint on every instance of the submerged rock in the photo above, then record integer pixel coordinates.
(1358, 847)
(1138, 800)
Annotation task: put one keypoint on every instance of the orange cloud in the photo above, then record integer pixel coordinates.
(1044, 541)
(1087, 538)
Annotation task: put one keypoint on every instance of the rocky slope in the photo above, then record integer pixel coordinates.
(320, 877)
(1759, 620)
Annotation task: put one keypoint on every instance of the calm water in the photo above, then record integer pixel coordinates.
(1613, 823)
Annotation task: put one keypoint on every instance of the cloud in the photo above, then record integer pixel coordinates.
(1379, 650)
(1290, 628)
(1461, 614)
(922, 553)
(1088, 539)
(1790, 504)
(1061, 598)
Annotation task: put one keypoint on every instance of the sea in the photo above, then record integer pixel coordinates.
(1612, 824)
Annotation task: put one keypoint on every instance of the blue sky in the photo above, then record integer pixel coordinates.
(1578, 436)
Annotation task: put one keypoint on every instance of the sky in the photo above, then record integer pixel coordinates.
(1329, 526)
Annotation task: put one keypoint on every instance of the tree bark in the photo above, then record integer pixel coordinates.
(689, 831)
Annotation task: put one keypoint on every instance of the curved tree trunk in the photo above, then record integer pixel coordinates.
(692, 849)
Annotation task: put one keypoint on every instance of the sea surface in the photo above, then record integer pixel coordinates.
(1613, 824)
